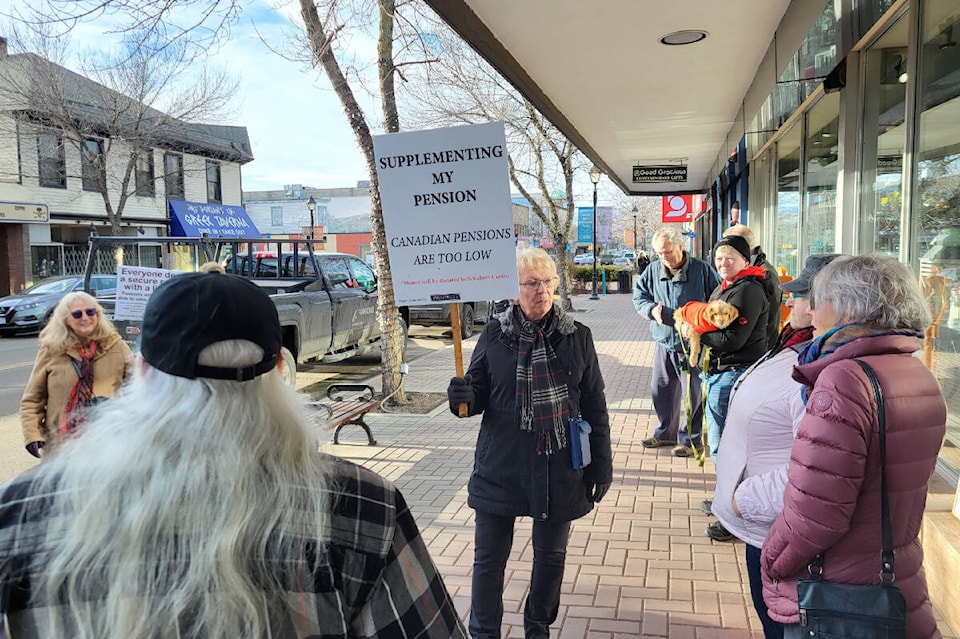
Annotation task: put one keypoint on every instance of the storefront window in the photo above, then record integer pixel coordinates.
(820, 185)
(786, 234)
(884, 134)
(46, 260)
(937, 204)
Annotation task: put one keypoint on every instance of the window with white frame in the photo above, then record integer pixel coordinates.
(91, 164)
(52, 160)
(214, 193)
(143, 173)
(276, 216)
(173, 175)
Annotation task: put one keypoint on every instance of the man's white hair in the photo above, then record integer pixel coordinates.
(173, 510)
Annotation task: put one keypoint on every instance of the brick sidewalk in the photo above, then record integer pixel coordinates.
(638, 565)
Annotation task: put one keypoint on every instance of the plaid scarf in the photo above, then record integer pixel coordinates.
(542, 398)
(74, 414)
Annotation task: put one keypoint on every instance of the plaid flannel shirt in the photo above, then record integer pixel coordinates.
(375, 580)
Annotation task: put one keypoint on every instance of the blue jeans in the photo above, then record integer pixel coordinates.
(771, 629)
(493, 538)
(717, 386)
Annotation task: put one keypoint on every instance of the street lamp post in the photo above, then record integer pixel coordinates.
(311, 206)
(636, 247)
(595, 178)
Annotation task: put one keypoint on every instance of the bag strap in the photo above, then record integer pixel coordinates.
(886, 530)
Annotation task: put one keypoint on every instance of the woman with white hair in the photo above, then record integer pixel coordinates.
(866, 308)
(196, 504)
(82, 358)
(534, 369)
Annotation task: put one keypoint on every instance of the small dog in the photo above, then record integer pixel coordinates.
(703, 317)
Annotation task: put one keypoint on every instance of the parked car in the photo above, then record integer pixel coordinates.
(434, 314)
(327, 302)
(624, 262)
(30, 310)
(583, 259)
(606, 259)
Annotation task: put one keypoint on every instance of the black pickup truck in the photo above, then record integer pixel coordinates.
(327, 302)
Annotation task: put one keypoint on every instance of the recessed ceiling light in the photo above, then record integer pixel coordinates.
(683, 37)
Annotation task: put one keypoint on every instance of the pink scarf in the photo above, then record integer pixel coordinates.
(74, 414)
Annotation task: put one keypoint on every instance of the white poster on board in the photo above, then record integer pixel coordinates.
(447, 214)
(135, 285)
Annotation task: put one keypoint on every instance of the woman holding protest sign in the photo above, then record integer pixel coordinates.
(533, 375)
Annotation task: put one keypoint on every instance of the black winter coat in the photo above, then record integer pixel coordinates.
(509, 477)
(745, 340)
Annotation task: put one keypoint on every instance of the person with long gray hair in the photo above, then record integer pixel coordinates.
(196, 503)
(867, 308)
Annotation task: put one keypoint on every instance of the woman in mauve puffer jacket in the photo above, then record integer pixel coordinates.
(870, 308)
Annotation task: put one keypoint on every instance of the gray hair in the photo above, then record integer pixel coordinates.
(872, 289)
(670, 235)
(186, 494)
(744, 232)
(536, 258)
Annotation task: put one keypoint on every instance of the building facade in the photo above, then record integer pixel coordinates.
(51, 183)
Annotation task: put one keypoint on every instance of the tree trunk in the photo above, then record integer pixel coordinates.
(388, 316)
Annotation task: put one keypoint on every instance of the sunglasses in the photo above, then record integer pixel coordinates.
(78, 314)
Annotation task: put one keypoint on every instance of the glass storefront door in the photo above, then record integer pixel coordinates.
(787, 228)
(884, 140)
(937, 204)
(820, 186)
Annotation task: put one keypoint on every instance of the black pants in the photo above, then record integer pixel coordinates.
(493, 539)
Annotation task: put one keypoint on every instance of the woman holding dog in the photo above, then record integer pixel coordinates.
(734, 348)
(82, 357)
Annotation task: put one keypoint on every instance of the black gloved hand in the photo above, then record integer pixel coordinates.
(36, 449)
(460, 392)
(596, 492)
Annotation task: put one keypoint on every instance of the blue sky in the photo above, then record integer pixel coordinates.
(296, 124)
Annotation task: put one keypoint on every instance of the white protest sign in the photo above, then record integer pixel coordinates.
(135, 284)
(447, 214)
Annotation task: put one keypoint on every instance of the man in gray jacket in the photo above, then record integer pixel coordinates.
(667, 284)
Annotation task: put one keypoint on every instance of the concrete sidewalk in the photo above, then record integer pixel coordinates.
(639, 565)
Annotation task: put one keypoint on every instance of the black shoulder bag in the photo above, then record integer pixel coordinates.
(847, 611)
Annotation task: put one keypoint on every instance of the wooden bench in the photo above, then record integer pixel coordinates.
(349, 403)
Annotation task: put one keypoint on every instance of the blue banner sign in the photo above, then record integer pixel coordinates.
(584, 224)
(194, 219)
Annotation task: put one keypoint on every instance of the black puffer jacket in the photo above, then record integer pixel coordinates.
(745, 341)
(509, 477)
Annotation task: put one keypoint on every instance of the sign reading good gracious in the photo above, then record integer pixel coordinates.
(447, 214)
(658, 173)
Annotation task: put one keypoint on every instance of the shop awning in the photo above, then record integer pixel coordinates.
(194, 219)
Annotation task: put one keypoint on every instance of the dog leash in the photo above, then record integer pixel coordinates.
(701, 454)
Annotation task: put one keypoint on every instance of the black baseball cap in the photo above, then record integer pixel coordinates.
(811, 267)
(189, 312)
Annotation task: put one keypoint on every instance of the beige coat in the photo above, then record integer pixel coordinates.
(52, 378)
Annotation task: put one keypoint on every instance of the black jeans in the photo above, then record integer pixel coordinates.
(493, 539)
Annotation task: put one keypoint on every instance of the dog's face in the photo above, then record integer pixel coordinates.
(720, 314)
